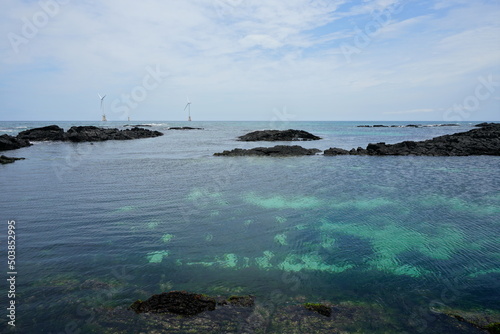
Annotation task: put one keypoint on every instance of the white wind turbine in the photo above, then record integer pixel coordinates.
(188, 107)
(102, 107)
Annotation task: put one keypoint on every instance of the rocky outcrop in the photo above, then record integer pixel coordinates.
(51, 132)
(85, 134)
(8, 160)
(12, 143)
(482, 141)
(279, 135)
(276, 151)
(93, 133)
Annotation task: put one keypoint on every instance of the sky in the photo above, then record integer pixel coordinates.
(294, 60)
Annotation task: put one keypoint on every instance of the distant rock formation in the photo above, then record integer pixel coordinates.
(183, 128)
(8, 160)
(51, 133)
(482, 141)
(92, 133)
(12, 143)
(405, 126)
(85, 134)
(275, 151)
(279, 135)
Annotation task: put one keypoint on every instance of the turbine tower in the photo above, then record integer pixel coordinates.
(188, 106)
(102, 107)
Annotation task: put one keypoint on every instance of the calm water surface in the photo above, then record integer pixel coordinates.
(144, 216)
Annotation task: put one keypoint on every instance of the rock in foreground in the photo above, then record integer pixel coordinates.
(178, 302)
(276, 151)
(279, 135)
(12, 143)
(482, 141)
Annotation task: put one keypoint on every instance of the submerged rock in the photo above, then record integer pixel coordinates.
(12, 143)
(245, 301)
(276, 151)
(51, 132)
(8, 160)
(178, 302)
(482, 141)
(319, 308)
(279, 135)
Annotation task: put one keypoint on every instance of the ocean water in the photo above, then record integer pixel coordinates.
(101, 225)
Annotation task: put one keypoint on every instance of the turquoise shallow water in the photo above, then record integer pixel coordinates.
(145, 216)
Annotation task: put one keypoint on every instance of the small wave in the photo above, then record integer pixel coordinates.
(21, 127)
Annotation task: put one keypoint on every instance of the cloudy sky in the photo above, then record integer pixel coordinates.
(250, 59)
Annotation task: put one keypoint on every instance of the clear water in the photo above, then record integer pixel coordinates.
(151, 215)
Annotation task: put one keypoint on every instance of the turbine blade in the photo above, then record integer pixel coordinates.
(186, 106)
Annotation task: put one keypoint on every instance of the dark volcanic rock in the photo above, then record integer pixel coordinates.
(480, 125)
(336, 151)
(12, 143)
(51, 132)
(93, 133)
(482, 141)
(279, 135)
(178, 302)
(8, 160)
(276, 151)
(184, 128)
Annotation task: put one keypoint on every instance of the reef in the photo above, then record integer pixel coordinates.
(269, 318)
(8, 160)
(12, 143)
(482, 141)
(279, 135)
(83, 134)
(278, 150)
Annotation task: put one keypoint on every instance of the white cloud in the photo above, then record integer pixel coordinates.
(262, 54)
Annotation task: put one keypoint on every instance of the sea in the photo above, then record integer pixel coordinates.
(101, 225)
